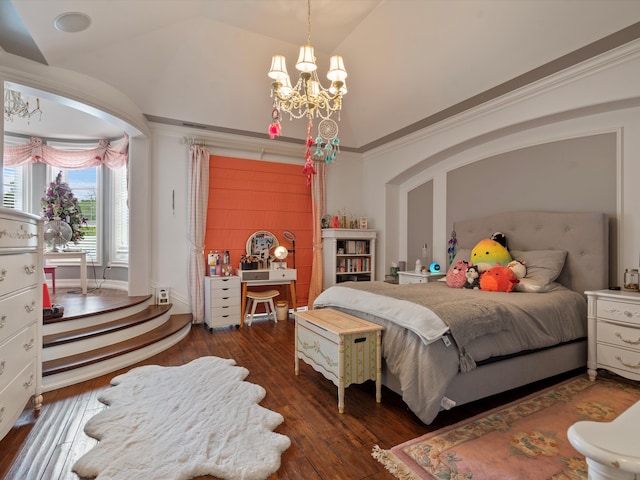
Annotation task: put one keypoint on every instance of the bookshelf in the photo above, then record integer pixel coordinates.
(348, 255)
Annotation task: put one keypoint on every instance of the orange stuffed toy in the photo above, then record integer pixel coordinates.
(498, 279)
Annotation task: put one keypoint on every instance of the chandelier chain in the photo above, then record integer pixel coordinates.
(308, 22)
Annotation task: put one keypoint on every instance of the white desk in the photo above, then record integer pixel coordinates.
(83, 264)
(274, 276)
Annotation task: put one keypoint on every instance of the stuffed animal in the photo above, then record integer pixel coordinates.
(473, 277)
(519, 268)
(500, 238)
(498, 279)
(488, 253)
(456, 276)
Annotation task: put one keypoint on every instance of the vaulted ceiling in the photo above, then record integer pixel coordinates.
(410, 62)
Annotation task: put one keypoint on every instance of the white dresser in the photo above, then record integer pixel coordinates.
(221, 301)
(21, 281)
(614, 332)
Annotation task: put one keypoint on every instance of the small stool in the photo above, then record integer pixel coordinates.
(266, 297)
(51, 271)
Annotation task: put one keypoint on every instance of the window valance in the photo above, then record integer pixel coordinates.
(36, 151)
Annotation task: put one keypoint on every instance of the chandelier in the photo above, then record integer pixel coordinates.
(15, 106)
(309, 99)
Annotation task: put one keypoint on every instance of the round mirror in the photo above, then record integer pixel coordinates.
(260, 244)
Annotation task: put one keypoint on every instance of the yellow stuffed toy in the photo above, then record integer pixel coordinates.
(489, 253)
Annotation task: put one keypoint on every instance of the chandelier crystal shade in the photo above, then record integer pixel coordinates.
(15, 106)
(308, 98)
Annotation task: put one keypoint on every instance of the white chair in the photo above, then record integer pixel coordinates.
(266, 297)
(611, 448)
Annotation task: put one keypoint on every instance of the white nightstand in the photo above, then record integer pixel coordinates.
(614, 332)
(412, 277)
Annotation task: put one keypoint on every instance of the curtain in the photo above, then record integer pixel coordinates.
(36, 151)
(198, 200)
(318, 205)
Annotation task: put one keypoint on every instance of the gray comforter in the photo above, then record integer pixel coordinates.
(481, 325)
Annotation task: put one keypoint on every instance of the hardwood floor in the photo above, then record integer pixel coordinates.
(324, 444)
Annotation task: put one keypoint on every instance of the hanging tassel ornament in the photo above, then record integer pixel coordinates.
(274, 129)
(308, 169)
(452, 245)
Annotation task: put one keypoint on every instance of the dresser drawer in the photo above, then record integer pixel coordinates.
(222, 294)
(18, 311)
(618, 310)
(619, 335)
(18, 271)
(226, 310)
(224, 283)
(15, 395)
(17, 352)
(619, 359)
(18, 234)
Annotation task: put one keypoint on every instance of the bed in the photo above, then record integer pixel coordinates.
(446, 346)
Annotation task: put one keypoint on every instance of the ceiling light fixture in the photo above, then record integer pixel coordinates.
(15, 106)
(309, 99)
(72, 22)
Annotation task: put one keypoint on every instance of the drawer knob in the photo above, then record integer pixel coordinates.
(29, 383)
(2, 365)
(2, 409)
(3, 320)
(628, 365)
(3, 274)
(30, 269)
(30, 308)
(29, 346)
(625, 340)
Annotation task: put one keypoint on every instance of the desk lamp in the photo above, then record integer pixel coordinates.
(291, 238)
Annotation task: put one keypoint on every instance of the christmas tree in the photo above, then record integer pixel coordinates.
(60, 203)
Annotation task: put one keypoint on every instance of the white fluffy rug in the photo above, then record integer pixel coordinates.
(176, 423)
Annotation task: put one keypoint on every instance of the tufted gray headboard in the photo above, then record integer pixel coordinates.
(585, 236)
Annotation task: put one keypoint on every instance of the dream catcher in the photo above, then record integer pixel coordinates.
(452, 245)
(327, 134)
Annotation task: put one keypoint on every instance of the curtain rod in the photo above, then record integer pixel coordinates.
(205, 143)
(62, 140)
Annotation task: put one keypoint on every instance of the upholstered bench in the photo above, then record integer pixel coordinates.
(612, 448)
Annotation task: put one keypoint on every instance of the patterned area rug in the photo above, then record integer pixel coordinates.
(176, 423)
(525, 439)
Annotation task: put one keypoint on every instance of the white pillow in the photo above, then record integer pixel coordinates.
(543, 267)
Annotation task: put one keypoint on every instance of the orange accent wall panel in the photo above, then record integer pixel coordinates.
(250, 195)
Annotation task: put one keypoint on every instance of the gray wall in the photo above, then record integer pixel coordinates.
(419, 223)
(575, 175)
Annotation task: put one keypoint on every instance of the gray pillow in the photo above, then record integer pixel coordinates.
(543, 267)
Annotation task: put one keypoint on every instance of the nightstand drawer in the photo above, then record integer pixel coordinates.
(620, 311)
(619, 359)
(619, 335)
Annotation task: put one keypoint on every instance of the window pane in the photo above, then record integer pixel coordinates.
(84, 186)
(120, 239)
(13, 188)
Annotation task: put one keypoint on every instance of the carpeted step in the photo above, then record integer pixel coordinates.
(151, 312)
(167, 329)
